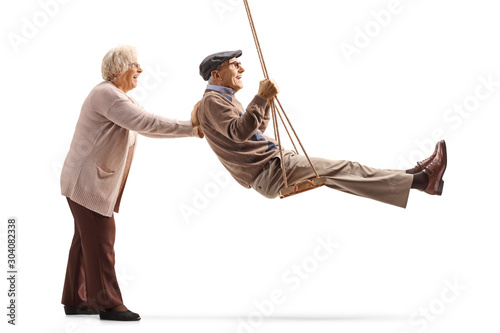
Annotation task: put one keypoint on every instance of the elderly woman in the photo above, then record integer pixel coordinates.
(93, 178)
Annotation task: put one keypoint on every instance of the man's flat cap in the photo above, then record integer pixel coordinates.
(213, 61)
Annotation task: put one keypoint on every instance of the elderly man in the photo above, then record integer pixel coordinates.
(253, 159)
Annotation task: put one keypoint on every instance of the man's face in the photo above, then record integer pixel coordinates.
(231, 72)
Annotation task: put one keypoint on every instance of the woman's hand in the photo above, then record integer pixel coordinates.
(195, 121)
(200, 132)
(194, 115)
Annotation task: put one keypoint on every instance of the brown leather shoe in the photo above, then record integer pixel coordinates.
(423, 164)
(435, 170)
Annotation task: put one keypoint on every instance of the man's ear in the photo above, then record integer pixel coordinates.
(215, 74)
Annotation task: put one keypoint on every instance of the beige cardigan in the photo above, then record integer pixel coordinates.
(96, 168)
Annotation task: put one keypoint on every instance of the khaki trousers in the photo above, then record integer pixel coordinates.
(388, 186)
(90, 274)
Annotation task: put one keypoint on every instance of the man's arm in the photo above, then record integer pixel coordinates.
(266, 119)
(267, 89)
(225, 118)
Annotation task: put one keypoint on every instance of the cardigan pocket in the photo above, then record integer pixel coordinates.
(103, 173)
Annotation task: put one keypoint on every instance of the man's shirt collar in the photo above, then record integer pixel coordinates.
(224, 91)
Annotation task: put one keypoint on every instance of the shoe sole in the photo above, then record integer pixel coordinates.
(139, 318)
(115, 317)
(441, 182)
(440, 189)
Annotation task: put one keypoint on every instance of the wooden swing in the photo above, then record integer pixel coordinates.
(303, 185)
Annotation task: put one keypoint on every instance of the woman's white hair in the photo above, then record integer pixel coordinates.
(117, 61)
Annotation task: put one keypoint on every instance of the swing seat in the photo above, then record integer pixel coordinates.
(302, 186)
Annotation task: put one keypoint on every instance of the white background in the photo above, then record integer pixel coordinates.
(204, 271)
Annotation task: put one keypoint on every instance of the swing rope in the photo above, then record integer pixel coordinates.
(275, 110)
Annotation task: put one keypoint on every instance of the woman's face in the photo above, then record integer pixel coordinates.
(128, 80)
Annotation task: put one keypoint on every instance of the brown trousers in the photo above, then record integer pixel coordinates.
(90, 274)
(389, 186)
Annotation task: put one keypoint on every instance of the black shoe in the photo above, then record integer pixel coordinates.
(111, 314)
(79, 310)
